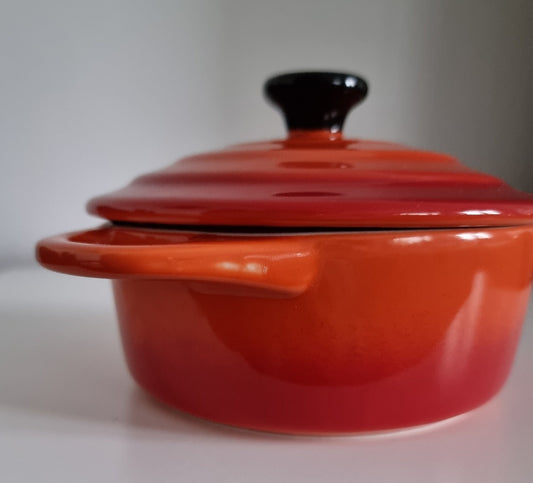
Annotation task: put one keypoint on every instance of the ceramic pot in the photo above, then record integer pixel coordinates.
(313, 285)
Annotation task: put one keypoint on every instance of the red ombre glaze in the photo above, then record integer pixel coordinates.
(296, 319)
(392, 329)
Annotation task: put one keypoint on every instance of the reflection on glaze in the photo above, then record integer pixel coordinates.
(474, 235)
(411, 240)
(460, 341)
(480, 212)
(249, 267)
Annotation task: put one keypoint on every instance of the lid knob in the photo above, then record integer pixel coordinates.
(315, 100)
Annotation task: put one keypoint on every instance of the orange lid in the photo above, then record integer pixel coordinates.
(316, 178)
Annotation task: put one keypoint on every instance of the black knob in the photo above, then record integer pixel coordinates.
(315, 100)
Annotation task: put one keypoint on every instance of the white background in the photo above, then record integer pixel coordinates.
(70, 412)
(93, 93)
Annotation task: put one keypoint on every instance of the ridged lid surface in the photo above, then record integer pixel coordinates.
(316, 178)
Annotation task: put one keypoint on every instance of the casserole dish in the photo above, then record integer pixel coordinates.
(316, 284)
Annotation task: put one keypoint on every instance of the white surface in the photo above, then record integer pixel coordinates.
(93, 93)
(70, 412)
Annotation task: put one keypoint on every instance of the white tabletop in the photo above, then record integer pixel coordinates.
(70, 412)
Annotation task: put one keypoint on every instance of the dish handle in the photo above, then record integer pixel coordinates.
(285, 265)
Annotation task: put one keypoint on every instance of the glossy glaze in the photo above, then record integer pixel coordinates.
(315, 100)
(389, 329)
(281, 265)
(320, 332)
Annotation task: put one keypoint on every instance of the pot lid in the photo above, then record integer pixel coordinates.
(317, 178)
